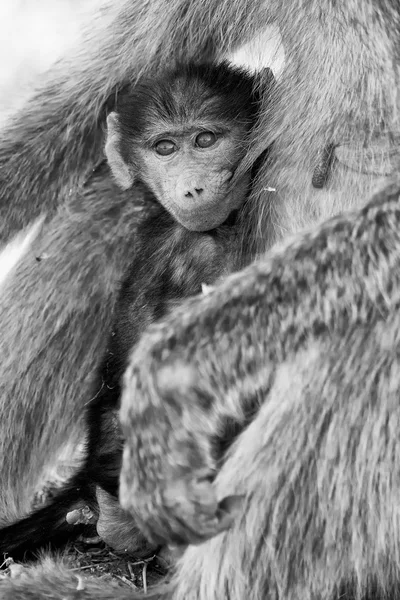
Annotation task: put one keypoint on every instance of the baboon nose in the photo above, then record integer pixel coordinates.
(194, 192)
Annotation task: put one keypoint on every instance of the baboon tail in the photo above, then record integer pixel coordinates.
(53, 581)
(47, 527)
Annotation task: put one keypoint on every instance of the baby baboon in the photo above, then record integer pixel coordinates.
(180, 137)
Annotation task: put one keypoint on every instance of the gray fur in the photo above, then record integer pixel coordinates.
(318, 462)
(314, 519)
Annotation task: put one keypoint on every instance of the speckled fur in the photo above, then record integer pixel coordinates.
(316, 522)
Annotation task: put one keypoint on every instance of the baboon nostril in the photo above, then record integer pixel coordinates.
(196, 192)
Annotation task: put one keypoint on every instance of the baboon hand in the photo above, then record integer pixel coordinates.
(198, 513)
(183, 511)
(167, 469)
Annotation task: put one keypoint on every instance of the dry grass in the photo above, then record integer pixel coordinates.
(94, 558)
(91, 556)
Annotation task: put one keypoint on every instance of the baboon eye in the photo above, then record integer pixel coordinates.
(206, 139)
(165, 147)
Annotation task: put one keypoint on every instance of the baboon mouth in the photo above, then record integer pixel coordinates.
(201, 222)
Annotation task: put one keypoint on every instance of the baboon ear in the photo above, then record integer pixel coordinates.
(124, 174)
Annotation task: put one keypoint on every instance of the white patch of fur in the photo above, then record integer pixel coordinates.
(264, 50)
(17, 248)
(121, 171)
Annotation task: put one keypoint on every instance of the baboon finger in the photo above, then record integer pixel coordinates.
(186, 511)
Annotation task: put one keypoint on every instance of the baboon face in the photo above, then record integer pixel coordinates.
(183, 136)
(189, 168)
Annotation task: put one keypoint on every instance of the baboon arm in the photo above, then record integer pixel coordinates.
(55, 311)
(213, 359)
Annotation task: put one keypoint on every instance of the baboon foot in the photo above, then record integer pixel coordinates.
(117, 528)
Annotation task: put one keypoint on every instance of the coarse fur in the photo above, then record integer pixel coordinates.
(75, 233)
(347, 540)
(170, 264)
(313, 522)
(284, 316)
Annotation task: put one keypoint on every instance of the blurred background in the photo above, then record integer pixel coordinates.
(35, 33)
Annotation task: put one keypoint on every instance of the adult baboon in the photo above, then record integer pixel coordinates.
(320, 515)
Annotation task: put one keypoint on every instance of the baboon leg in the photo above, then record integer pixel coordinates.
(213, 359)
(55, 315)
(117, 528)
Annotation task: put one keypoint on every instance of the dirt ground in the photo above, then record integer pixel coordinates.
(99, 560)
(93, 557)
